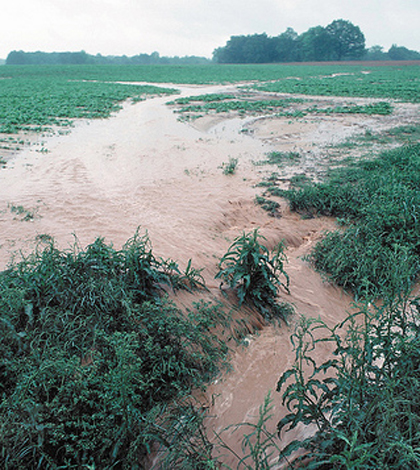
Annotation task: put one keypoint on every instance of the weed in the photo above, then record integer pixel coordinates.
(95, 361)
(281, 158)
(299, 180)
(362, 403)
(261, 448)
(230, 167)
(248, 268)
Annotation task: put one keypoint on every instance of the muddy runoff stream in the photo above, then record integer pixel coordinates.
(144, 168)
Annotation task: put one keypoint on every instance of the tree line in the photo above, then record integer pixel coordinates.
(83, 58)
(340, 40)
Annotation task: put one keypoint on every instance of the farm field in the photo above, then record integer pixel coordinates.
(194, 157)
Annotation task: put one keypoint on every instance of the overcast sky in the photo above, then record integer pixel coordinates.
(190, 27)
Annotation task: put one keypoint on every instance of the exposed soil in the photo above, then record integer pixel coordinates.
(144, 168)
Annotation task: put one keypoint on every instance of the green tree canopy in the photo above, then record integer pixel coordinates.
(347, 40)
(402, 53)
(316, 44)
(340, 40)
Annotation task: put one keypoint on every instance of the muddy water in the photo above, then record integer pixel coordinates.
(144, 168)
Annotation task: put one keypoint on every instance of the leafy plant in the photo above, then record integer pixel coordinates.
(38, 98)
(256, 275)
(230, 167)
(24, 214)
(378, 254)
(363, 403)
(95, 361)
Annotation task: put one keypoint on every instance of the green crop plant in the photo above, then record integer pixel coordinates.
(240, 106)
(255, 274)
(34, 102)
(362, 402)
(400, 83)
(39, 97)
(96, 363)
(378, 253)
(24, 214)
(382, 108)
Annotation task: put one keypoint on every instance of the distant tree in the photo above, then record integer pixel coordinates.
(285, 46)
(16, 58)
(316, 44)
(348, 40)
(402, 53)
(255, 49)
(340, 40)
(258, 49)
(82, 58)
(231, 53)
(375, 53)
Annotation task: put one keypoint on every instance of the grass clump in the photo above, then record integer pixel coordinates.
(95, 361)
(363, 403)
(379, 252)
(256, 275)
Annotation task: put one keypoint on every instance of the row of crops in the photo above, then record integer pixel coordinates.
(37, 103)
(35, 97)
(196, 106)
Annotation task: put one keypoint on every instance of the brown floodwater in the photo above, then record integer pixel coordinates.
(144, 168)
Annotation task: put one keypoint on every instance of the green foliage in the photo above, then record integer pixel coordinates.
(248, 268)
(195, 106)
(272, 207)
(79, 58)
(36, 102)
(281, 158)
(402, 53)
(379, 252)
(230, 167)
(240, 106)
(379, 82)
(363, 404)
(22, 213)
(38, 97)
(95, 362)
(381, 108)
(347, 40)
(340, 40)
